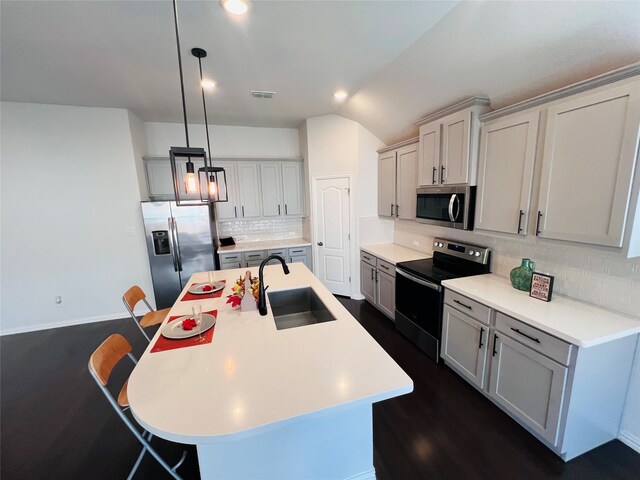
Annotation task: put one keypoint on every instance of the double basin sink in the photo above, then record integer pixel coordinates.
(298, 307)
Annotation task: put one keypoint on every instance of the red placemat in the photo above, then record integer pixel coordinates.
(190, 296)
(162, 343)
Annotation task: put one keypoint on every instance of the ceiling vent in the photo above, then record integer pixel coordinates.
(262, 94)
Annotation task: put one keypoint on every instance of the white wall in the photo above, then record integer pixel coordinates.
(335, 145)
(139, 145)
(69, 191)
(226, 141)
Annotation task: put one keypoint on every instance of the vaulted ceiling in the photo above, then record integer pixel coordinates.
(398, 60)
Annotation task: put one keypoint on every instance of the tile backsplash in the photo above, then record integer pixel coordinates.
(589, 274)
(263, 229)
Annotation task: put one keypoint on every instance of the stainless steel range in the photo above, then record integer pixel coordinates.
(419, 293)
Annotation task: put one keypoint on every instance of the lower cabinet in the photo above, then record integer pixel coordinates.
(571, 398)
(464, 344)
(254, 258)
(528, 384)
(378, 283)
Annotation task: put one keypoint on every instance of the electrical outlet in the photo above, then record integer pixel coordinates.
(59, 301)
(130, 231)
(416, 243)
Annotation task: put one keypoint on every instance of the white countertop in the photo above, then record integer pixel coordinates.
(265, 245)
(576, 322)
(392, 253)
(253, 375)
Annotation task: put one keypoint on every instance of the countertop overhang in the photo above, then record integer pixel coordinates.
(265, 245)
(576, 322)
(253, 376)
(394, 253)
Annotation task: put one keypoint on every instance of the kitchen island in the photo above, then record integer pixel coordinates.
(259, 402)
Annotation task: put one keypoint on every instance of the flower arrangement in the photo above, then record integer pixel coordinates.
(238, 290)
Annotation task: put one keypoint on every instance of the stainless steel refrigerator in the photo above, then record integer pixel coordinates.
(179, 243)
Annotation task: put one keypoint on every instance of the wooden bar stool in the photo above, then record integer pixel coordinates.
(101, 363)
(154, 317)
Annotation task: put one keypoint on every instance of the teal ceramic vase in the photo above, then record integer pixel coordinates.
(521, 276)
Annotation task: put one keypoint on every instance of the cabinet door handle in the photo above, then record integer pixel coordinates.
(376, 276)
(442, 174)
(235, 212)
(520, 221)
(372, 274)
(495, 340)
(397, 210)
(286, 212)
(392, 209)
(278, 209)
(462, 304)
(480, 342)
(433, 176)
(525, 335)
(384, 266)
(243, 210)
(538, 232)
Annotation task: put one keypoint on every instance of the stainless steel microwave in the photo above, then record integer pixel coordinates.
(446, 206)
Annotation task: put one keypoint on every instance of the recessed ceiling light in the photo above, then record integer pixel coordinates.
(340, 95)
(208, 84)
(235, 7)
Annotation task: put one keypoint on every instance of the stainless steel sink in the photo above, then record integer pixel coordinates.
(298, 307)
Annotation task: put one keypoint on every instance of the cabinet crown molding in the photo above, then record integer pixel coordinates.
(579, 87)
(404, 143)
(478, 101)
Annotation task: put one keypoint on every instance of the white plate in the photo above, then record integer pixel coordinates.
(197, 288)
(175, 331)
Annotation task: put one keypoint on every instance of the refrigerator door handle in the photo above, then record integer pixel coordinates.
(172, 245)
(177, 243)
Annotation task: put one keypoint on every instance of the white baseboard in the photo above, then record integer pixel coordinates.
(629, 439)
(66, 323)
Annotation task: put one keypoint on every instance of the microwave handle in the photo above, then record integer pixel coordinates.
(453, 198)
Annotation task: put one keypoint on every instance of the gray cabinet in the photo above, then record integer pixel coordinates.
(271, 188)
(505, 173)
(386, 293)
(378, 283)
(590, 150)
(292, 189)
(254, 258)
(249, 188)
(398, 180)
(387, 184)
(528, 385)
(448, 144)
(464, 344)
(159, 178)
(228, 210)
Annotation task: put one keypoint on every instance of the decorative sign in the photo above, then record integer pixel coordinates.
(541, 286)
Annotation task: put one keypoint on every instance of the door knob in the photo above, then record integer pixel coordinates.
(320, 244)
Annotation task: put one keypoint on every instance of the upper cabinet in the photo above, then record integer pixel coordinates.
(255, 189)
(590, 150)
(505, 173)
(397, 180)
(448, 144)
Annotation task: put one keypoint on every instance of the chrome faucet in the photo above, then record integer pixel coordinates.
(262, 298)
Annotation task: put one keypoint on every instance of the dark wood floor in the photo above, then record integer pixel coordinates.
(55, 423)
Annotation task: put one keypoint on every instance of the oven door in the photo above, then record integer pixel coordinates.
(419, 311)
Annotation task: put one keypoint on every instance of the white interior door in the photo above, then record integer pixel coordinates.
(332, 233)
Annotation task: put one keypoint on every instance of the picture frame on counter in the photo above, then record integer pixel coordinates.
(541, 286)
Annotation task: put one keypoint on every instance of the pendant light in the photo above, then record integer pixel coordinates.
(188, 190)
(212, 179)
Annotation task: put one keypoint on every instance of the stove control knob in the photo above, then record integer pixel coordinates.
(436, 244)
(477, 254)
(470, 252)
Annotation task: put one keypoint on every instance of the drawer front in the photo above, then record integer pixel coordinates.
(230, 257)
(474, 309)
(253, 263)
(386, 267)
(542, 342)
(230, 265)
(367, 257)
(298, 251)
(279, 251)
(255, 255)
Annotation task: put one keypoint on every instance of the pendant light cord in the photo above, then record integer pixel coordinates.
(204, 107)
(184, 106)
